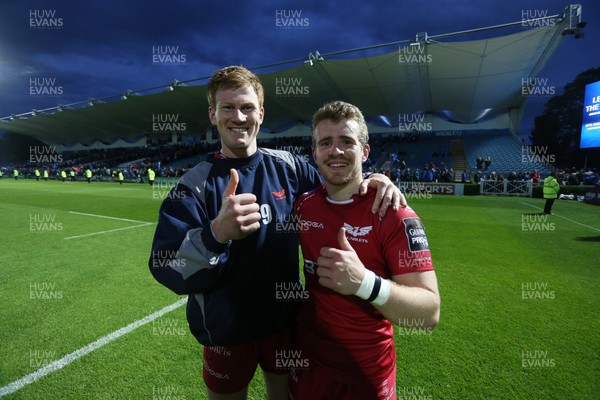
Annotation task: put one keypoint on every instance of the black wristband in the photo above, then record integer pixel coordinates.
(376, 288)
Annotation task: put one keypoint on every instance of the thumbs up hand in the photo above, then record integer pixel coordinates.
(234, 180)
(340, 269)
(238, 216)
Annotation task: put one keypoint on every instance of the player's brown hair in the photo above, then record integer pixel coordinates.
(232, 78)
(337, 111)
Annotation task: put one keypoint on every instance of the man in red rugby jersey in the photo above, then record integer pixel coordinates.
(363, 272)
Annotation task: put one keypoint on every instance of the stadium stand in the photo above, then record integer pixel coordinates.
(505, 152)
(401, 157)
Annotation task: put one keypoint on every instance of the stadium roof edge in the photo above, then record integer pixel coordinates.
(328, 72)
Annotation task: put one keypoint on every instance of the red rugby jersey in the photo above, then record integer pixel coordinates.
(345, 334)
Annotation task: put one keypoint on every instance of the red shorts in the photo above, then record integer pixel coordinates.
(228, 369)
(316, 383)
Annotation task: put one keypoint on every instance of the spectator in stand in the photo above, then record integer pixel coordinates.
(463, 176)
(450, 175)
(573, 179)
(488, 162)
(535, 177)
(479, 162)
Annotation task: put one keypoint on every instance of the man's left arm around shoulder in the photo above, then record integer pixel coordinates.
(387, 193)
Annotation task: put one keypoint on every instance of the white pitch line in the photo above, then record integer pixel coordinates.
(560, 216)
(69, 358)
(111, 230)
(104, 216)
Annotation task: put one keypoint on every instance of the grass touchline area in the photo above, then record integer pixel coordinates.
(519, 292)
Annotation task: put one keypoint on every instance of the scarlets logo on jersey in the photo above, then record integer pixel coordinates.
(279, 195)
(415, 233)
(356, 232)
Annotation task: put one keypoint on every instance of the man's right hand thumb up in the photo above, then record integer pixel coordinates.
(234, 180)
(239, 216)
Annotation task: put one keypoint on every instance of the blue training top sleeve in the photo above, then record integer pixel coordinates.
(185, 256)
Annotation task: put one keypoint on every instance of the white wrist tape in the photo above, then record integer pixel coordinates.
(366, 286)
(384, 293)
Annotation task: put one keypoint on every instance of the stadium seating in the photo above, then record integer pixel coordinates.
(505, 152)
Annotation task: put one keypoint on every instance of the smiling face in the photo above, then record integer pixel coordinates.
(238, 116)
(339, 155)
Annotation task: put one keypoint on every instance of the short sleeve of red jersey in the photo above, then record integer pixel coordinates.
(405, 243)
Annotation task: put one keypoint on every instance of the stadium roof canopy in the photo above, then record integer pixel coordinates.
(461, 82)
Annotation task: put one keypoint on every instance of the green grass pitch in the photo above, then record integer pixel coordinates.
(520, 299)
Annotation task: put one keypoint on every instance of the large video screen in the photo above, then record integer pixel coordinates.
(590, 127)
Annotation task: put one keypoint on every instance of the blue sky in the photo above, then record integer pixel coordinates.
(102, 48)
